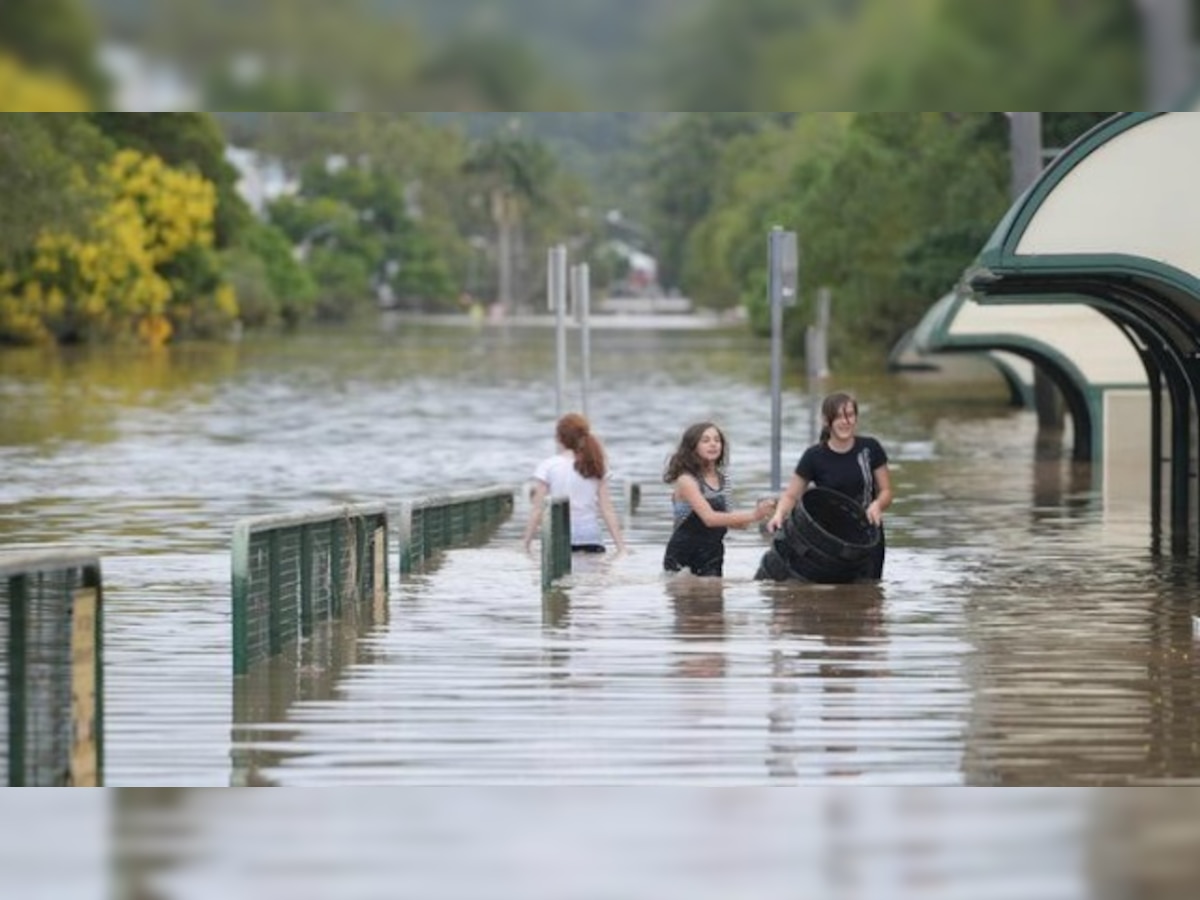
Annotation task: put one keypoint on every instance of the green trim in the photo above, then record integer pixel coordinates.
(306, 581)
(94, 579)
(1016, 219)
(999, 256)
(933, 335)
(556, 540)
(1190, 102)
(1122, 265)
(1018, 387)
(337, 583)
(18, 614)
(241, 593)
(274, 591)
(1030, 203)
(936, 336)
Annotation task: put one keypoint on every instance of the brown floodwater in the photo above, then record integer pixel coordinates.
(1023, 633)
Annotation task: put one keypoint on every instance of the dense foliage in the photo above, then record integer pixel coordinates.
(430, 211)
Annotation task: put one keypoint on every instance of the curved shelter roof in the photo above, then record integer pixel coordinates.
(1079, 348)
(1114, 222)
(1114, 218)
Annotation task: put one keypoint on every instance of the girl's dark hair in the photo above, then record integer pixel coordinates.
(574, 433)
(686, 459)
(831, 408)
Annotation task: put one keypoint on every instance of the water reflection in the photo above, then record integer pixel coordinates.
(307, 672)
(1052, 844)
(838, 632)
(699, 606)
(1024, 634)
(1091, 679)
(1062, 486)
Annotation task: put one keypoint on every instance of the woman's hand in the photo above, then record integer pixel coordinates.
(875, 514)
(764, 508)
(776, 521)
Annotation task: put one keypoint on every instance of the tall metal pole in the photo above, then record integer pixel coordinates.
(781, 289)
(583, 275)
(776, 358)
(556, 294)
(1025, 143)
(1170, 68)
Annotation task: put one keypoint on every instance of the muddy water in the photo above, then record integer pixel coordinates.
(1023, 635)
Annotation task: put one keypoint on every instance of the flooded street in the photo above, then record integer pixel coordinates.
(1023, 634)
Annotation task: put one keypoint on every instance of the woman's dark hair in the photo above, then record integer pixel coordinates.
(831, 408)
(574, 433)
(686, 459)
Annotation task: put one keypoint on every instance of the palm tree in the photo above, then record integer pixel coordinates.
(515, 174)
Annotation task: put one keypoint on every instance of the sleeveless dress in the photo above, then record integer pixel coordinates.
(693, 545)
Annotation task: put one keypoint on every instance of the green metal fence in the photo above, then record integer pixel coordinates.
(51, 687)
(556, 540)
(431, 524)
(292, 570)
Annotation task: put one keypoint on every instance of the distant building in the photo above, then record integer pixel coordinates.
(262, 178)
(143, 85)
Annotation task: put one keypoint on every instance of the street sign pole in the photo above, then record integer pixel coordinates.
(783, 266)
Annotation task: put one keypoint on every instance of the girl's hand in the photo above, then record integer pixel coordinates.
(875, 514)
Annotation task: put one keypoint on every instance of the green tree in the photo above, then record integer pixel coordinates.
(896, 219)
(484, 72)
(357, 222)
(682, 163)
(882, 55)
(272, 287)
(47, 161)
(516, 175)
(758, 183)
(347, 51)
(54, 36)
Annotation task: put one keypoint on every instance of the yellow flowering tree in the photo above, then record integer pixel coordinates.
(144, 268)
(25, 91)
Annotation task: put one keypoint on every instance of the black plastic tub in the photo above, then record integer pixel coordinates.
(827, 540)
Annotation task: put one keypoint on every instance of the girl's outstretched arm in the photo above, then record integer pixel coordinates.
(689, 491)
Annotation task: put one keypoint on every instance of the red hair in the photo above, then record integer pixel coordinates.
(575, 434)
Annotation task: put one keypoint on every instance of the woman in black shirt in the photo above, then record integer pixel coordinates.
(847, 462)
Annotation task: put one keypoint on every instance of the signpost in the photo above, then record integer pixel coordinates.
(556, 295)
(783, 272)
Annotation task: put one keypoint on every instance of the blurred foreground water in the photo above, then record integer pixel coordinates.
(568, 843)
(1023, 636)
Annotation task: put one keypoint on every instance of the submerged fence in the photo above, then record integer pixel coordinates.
(556, 540)
(291, 571)
(437, 523)
(51, 686)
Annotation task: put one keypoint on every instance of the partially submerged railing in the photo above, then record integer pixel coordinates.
(290, 571)
(430, 524)
(556, 540)
(51, 685)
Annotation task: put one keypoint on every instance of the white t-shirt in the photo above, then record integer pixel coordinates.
(563, 480)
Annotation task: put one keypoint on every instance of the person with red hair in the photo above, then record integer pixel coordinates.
(579, 472)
